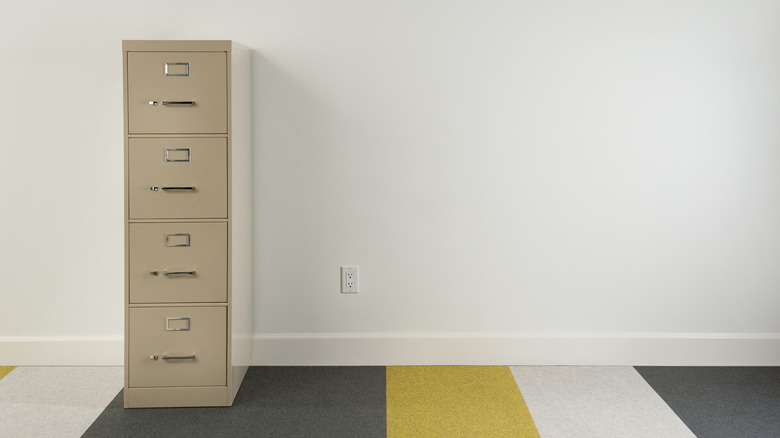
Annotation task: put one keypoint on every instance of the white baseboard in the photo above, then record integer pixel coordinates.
(62, 351)
(519, 349)
(682, 349)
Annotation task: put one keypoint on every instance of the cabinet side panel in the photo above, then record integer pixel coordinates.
(241, 216)
(126, 210)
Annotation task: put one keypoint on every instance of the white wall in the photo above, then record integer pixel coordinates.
(512, 177)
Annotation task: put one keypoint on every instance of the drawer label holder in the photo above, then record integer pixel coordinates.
(180, 328)
(171, 67)
(171, 158)
(178, 239)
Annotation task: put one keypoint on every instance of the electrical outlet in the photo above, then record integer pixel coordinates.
(349, 280)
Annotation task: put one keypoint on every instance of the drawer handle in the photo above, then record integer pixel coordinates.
(179, 273)
(166, 188)
(190, 357)
(157, 273)
(156, 357)
(172, 102)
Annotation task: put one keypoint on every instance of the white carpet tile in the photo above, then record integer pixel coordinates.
(595, 401)
(56, 402)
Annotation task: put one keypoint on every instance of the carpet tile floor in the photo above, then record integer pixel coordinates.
(596, 402)
(517, 401)
(456, 401)
(721, 401)
(55, 402)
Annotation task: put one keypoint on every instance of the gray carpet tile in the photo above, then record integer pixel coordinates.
(717, 402)
(272, 402)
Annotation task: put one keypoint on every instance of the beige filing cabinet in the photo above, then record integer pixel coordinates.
(188, 222)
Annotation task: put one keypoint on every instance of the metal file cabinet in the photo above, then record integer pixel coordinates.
(188, 224)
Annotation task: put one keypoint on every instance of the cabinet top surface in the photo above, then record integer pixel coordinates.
(179, 45)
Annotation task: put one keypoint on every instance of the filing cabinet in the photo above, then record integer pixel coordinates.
(188, 232)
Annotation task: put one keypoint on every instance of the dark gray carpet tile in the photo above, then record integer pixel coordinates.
(717, 402)
(272, 402)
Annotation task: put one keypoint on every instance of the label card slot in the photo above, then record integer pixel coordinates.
(177, 155)
(177, 324)
(177, 69)
(179, 239)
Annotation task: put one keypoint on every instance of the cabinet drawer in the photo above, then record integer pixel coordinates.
(177, 178)
(177, 92)
(178, 263)
(189, 344)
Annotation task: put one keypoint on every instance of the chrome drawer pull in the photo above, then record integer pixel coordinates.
(179, 273)
(178, 357)
(155, 188)
(156, 357)
(153, 102)
(157, 273)
(178, 102)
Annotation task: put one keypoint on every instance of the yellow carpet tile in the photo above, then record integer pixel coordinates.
(5, 370)
(456, 401)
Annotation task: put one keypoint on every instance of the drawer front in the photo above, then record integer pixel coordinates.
(178, 263)
(177, 92)
(189, 344)
(177, 178)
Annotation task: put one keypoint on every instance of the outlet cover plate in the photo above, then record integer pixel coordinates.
(349, 280)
